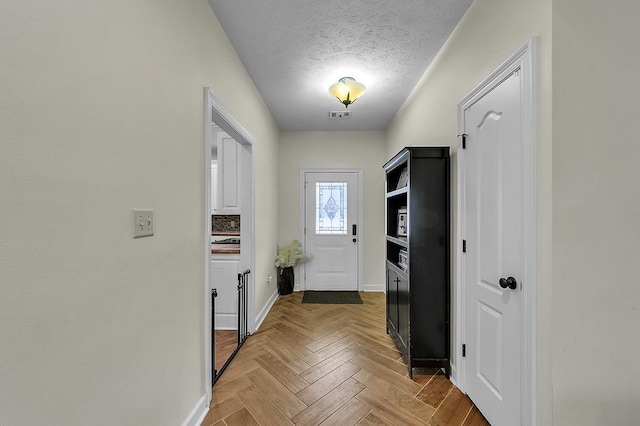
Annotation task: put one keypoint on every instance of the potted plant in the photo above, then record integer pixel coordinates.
(288, 257)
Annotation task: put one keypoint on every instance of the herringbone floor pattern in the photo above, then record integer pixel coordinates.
(226, 342)
(331, 365)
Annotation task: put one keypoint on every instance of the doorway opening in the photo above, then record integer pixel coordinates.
(229, 213)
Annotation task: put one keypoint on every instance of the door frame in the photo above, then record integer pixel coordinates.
(215, 112)
(302, 209)
(524, 60)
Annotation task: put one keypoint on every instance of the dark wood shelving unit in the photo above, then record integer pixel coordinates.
(418, 263)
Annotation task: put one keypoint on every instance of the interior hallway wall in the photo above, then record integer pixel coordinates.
(489, 33)
(100, 113)
(365, 150)
(596, 208)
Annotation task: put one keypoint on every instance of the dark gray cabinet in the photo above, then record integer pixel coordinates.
(418, 258)
(392, 299)
(397, 304)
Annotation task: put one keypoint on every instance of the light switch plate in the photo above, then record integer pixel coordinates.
(143, 223)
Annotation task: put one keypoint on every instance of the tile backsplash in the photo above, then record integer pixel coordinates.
(225, 223)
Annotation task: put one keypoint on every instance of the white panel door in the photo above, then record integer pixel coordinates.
(229, 175)
(214, 187)
(331, 231)
(494, 256)
(224, 278)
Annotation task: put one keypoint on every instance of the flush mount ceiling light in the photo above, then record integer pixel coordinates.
(347, 90)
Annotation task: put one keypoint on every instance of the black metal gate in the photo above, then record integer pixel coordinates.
(243, 281)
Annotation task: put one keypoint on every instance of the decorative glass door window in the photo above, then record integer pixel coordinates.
(331, 208)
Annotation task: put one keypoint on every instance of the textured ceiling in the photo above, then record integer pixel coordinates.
(295, 49)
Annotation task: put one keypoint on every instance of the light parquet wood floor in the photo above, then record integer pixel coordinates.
(226, 342)
(315, 364)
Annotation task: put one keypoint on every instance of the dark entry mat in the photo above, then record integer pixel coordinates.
(332, 297)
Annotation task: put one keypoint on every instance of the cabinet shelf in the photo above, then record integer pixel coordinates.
(397, 192)
(398, 269)
(402, 242)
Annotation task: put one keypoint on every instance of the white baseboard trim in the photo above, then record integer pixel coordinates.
(265, 310)
(196, 416)
(454, 376)
(374, 288)
(226, 321)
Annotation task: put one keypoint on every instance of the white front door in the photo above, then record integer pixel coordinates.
(493, 263)
(331, 231)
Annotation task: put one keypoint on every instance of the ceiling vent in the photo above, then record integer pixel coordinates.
(339, 114)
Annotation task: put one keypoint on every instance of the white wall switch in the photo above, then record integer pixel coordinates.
(143, 223)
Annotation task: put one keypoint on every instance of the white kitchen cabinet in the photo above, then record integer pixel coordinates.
(228, 184)
(224, 278)
(214, 187)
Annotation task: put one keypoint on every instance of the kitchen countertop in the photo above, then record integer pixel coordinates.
(225, 248)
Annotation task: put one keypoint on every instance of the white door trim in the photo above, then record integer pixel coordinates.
(523, 59)
(301, 238)
(214, 111)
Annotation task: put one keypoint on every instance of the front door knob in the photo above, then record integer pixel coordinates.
(508, 282)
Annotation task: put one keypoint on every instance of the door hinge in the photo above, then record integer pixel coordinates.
(305, 230)
(464, 350)
(464, 246)
(464, 140)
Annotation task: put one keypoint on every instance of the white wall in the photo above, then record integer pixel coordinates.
(365, 150)
(596, 208)
(100, 113)
(489, 33)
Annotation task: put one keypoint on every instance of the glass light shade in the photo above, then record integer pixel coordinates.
(339, 90)
(347, 90)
